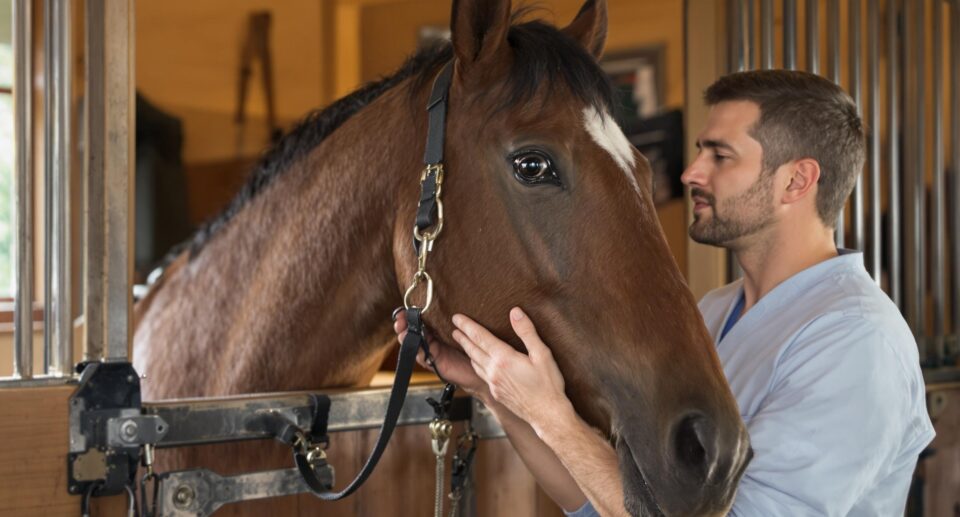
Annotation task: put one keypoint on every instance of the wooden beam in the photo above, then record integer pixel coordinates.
(705, 63)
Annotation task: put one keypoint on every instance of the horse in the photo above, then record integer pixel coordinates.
(547, 206)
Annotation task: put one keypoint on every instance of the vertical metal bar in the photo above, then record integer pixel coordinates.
(751, 43)
(57, 127)
(920, 189)
(856, 91)
(23, 131)
(833, 40)
(914, 172)
(910, 173)
(48, 119)
(790, 34)
(813, 36)
(875, 242)
(109, 171)
(766, 34)
(938, 248)
(95, 251)
(736, 61)
(893, 154)
(833, 70)
(955, 157)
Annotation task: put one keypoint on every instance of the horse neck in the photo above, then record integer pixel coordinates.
(316, 251)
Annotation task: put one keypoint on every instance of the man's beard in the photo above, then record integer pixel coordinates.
(744, 214)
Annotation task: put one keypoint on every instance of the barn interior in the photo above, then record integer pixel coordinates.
(207, 87)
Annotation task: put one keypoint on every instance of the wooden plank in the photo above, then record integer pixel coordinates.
(33, 454)
(33, 457)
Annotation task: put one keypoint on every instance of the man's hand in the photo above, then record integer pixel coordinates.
(453, 364)
(530, 386)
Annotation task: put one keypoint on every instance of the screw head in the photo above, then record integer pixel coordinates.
(183, 496)
(128, 431)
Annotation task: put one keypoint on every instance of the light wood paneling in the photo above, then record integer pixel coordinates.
(188, 63)
(33, 453)
(390, 28)
(706, 265)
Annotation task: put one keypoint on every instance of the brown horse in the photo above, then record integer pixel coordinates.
(547, 206)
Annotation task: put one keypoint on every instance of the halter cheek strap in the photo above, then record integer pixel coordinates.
(427, 209)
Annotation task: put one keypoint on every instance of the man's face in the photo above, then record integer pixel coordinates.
(732, 198)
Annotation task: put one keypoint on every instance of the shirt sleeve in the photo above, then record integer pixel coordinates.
(586, 510)
(833, 419)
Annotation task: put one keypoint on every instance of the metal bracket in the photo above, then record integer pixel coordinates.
(107, 391)
(200, 492)
(132, 428)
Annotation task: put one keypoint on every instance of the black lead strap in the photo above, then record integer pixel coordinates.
(408, 355)
(415, 338)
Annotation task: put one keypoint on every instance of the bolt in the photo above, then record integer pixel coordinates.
(183, 496)
(128, 431)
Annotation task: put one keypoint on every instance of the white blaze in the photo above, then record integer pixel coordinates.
(607, 134)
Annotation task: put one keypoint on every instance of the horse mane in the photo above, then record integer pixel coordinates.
(543, 57)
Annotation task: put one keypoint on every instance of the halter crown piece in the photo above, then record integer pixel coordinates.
(429, 222)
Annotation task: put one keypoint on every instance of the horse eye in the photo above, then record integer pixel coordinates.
(534, 168)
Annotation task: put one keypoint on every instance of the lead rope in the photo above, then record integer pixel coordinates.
(441, 456)
(441, 429)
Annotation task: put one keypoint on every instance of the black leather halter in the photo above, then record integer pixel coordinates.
(429, 216)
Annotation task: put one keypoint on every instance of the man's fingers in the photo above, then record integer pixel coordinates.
(478, 357)
(467, 343)
(478, 335)
(400, 325)
(527, 333)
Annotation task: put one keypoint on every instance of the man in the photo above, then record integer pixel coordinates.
(823, 367)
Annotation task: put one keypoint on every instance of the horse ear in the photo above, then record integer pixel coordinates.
(590, 26)
(479, 28)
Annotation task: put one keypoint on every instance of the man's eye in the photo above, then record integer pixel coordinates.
(720, 157)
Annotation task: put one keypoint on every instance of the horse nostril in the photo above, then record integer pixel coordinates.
(693, 444)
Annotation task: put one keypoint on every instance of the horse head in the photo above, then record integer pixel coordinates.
(548, 206)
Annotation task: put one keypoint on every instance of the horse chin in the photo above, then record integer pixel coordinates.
(638, 496)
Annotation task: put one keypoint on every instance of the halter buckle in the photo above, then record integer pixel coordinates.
(437, 169)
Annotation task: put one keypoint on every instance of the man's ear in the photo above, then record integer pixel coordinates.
(803, 176)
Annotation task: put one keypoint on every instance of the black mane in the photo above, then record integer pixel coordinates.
(543, 57)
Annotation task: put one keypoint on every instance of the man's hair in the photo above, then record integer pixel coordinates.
(802, 115)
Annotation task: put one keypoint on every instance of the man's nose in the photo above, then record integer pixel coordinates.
(694, 173)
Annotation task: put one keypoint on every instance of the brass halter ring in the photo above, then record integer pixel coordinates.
(418, 278)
